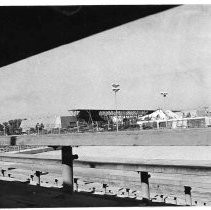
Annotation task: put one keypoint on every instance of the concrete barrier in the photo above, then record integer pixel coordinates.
(172, 137)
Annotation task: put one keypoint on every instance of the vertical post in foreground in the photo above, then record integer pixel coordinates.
(67, 169)
(145, 185)
(188, 199)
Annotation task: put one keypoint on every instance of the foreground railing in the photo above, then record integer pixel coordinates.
(187, 137)
(144, 167)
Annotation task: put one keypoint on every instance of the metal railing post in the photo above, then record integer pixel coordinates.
(67, 168)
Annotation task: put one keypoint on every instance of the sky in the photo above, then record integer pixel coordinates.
(169, 51)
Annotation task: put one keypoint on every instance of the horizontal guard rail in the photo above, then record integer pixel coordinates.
(203, 168)
(173, 137)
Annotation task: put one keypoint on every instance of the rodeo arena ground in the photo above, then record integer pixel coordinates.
(87, 121)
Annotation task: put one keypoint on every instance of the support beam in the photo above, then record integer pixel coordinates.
(188, 198)
(67, 168)
(145, 185)
(186, 167)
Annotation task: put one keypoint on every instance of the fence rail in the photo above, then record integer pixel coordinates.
(40, 165)
(177, 137)
(201, 168)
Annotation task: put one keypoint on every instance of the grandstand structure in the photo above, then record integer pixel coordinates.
(103, 113)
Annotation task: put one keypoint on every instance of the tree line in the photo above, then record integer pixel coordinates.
(12, 127)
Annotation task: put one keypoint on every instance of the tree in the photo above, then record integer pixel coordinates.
(12, 127)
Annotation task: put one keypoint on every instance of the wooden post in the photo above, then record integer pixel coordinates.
(67, 168)
(145, 185)
(188, 196)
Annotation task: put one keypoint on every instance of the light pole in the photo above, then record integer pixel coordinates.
(115, 88)
(164, 94)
